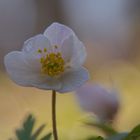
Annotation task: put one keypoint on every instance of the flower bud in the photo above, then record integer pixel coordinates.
(97, 100)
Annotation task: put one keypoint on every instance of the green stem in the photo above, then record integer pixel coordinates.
(54, 115)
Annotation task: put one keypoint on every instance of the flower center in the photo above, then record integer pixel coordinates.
(52, 63)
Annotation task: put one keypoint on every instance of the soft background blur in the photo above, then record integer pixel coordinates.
(110, 30)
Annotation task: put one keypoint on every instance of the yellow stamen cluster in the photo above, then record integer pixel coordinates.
(52, 63)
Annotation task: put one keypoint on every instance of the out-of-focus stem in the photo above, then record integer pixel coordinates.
(54, 115)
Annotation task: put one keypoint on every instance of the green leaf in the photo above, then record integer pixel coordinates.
(134, 134)
(47, 137)
(26, 131)
(38, 131)
(105, 128)
(120, 136)
(96, 138)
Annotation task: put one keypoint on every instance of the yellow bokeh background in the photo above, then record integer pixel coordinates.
(110, 31)
(16, 102)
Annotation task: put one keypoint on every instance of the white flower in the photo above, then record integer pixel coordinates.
(96, 99)
(51, 61)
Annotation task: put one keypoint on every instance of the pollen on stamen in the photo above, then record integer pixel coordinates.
(45, 50)
(41, 60)
(39, 51)
(52, 64)
(55, 46)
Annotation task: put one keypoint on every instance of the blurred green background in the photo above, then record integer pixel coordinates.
(110, 31)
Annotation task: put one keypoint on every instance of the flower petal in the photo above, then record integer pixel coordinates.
(79, 54)
(73, 51)
(19, 71)
(73, 79)
(67, 48)
(56, 33)
(49, 84)
(97, 99)
(35, 43)
(31, 47)
(23, 75)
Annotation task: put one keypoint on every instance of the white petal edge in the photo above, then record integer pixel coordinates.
(74, 79)
(30, 49)
(57, 32)
(67, 48)
(79, 54)
(49, 84)
(19, 71)
(73, 51)
(35, 43)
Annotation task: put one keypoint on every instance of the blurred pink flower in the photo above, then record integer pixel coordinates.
(96, 99)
